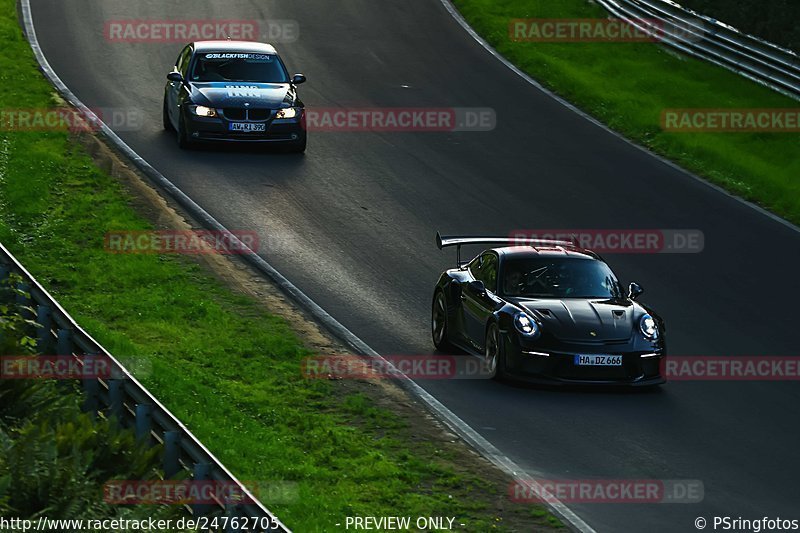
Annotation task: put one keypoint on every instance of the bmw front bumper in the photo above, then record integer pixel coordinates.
(270, 129)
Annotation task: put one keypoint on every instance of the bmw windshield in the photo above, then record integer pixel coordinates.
(239, 66)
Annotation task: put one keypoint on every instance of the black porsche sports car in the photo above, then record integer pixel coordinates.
(546, 312)
(234, 91)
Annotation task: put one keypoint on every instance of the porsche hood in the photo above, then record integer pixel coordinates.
(582, 320)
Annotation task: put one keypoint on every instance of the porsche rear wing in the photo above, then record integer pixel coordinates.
(443, 241)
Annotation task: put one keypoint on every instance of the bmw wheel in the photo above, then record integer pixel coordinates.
(183, 138)
(165, 118)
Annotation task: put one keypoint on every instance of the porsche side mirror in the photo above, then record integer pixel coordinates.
(175, 76)
(297, 79)
(477, 287)
(634, 290)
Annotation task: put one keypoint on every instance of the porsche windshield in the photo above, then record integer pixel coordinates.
(236, 66)
(559, 278)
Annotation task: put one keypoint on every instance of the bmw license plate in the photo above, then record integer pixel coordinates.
(247, 126)
(598, 360)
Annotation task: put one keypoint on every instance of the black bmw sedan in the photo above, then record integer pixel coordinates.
(234, 91)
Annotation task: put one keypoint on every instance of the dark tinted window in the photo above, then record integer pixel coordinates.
(234, 66)
(475, 267)
(559, 278)
(490, 271)
(182, 64)
(484, 268)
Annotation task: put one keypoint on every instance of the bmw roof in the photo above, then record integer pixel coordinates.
(234, 46)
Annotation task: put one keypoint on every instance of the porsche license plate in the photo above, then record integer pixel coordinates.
(247, 126)
(598, 360)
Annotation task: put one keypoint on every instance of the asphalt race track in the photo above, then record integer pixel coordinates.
(352, 224)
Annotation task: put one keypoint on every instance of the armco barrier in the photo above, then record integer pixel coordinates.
(713, 41)
(124, 398)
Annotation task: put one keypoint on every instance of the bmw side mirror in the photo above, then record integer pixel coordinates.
(297, 79)
(634, 290)
(477, 287)
(174, 76)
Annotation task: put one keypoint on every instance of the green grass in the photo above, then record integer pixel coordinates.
(226, 368)
(627, 85)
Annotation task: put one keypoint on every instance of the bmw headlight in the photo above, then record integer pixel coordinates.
(203, 111)
(288, 112)
(526, 325)
(649, 327)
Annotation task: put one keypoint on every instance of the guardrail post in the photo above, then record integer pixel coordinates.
(64, 342)
(172, 453)
(4, 272)
(44, 337)
(24, 300)
(64, 349)
(91, 388)
(144, 421)
(116, 395)
(202, 472)
(231, 513)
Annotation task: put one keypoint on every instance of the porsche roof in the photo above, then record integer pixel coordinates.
(543, 250)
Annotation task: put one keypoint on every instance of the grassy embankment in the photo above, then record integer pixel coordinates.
(627, 85)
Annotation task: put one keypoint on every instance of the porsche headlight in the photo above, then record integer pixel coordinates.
(649, 327)
(288, 112)
(203, 111)
(526, 325)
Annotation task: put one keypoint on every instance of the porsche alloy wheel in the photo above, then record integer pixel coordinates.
(439, 323)
(492, 352)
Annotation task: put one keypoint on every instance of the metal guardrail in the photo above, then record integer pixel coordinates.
(713, 41)
(125, 399)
